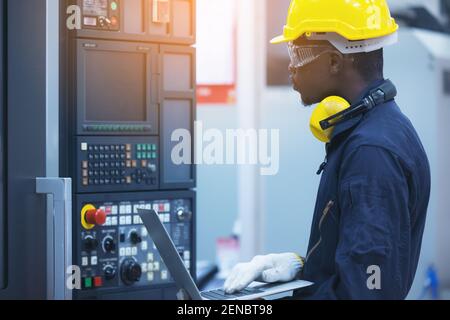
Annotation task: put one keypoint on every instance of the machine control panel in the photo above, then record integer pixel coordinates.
(101, 14)
(114, 164)
(119, 253)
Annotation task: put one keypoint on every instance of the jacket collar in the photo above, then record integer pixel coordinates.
(351, 123)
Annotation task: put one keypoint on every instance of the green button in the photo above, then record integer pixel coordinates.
(139, 155)
(113, 6)
(144, 147)
(154, 156)
(139, 147)
(88, 283)
(154, 147)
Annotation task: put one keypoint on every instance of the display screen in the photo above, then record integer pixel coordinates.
(95, 7)
(116, 86)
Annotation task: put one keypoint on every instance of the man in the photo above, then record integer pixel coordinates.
(372, 201)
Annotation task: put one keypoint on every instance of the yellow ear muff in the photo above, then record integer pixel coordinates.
(327, 108)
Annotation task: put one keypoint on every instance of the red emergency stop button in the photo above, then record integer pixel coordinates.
(114, 21)
(98, 282)
(96, 217)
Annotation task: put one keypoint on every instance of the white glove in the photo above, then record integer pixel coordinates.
(272, 268)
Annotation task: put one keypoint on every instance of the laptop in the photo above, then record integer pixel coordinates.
(183, 278)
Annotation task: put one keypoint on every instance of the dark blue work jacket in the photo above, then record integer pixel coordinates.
(371, 207)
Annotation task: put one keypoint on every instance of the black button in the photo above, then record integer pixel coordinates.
(122, 237)
(107, 181)
(107, 148)
(90, 157)
(102, 181)
(101, 148)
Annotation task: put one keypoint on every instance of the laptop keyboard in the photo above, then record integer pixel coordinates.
(221, 295)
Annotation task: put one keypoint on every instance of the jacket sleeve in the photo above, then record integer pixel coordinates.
(371, 259)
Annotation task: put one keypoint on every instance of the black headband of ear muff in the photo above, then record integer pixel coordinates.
(383, 93)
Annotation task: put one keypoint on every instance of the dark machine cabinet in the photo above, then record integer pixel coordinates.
(161, 21)
(118, 259)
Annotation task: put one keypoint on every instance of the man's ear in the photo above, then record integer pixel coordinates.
(336, 63)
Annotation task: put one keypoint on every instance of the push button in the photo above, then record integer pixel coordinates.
(88, 283)
(96, 217)
(98, 282)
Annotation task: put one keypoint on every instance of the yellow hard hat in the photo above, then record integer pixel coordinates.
(351, 19)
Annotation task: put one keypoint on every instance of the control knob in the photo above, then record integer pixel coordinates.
(109, 244)
(135, 238)
(110, 272)
(183, 215)
(131, 272)
(90, 243)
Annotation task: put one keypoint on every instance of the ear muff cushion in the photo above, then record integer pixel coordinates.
(327, 108)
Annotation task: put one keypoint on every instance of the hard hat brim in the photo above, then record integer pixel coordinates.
(280, 39)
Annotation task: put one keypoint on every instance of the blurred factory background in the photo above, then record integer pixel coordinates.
(243, 83)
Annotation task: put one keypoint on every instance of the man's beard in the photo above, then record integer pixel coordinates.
(306, 104)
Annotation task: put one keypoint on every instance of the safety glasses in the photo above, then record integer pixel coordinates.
(303, 55)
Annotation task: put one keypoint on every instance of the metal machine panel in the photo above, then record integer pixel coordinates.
(26, 157)
(127, 94)
(119, 259)
(162, 21)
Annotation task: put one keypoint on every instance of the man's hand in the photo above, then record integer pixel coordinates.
(272, 268)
